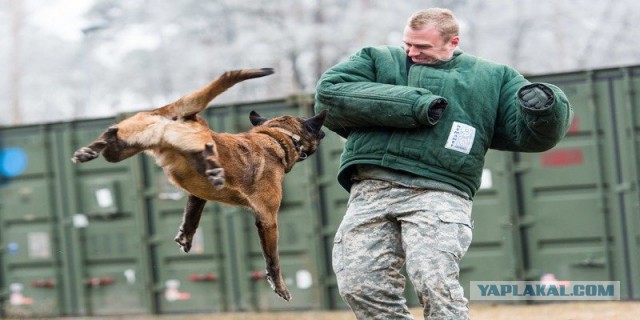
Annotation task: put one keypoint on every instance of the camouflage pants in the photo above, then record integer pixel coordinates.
(386, 226)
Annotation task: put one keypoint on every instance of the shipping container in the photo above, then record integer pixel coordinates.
(32, 268)
(579, 202)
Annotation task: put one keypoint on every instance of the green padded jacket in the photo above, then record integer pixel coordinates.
(434, 121)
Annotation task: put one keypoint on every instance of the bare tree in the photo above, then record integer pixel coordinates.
(15, 75)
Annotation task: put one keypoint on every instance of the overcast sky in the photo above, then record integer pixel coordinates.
(64, 18)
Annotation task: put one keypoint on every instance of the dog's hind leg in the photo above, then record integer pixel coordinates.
(190, 222)
(213, 170)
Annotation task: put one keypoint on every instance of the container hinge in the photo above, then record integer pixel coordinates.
(521, 167)
(527, 221)
(466, 268)
(624, 187)
(154, 240)
(158, 288)
(533, 275)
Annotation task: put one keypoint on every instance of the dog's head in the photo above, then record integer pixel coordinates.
(305, 133)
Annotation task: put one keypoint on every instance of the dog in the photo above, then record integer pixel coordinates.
(245, 169)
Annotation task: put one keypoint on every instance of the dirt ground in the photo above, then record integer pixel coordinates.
(550, 311)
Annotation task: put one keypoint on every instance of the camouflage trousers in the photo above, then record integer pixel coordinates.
(387, 226)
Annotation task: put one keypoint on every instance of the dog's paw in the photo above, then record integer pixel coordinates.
(280, 289)
(216, 177)
(84, 154)
(183, 240)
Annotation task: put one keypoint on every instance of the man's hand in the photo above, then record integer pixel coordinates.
(535, 96)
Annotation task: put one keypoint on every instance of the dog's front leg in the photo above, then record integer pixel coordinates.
(112, 148)
(93, 150)
(268, 232)
(190, 221)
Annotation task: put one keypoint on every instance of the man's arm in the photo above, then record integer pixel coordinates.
(354, 96)
(532, 117)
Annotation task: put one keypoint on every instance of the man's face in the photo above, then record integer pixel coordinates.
(426, 45)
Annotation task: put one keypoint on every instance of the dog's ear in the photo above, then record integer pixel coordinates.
(256, 119)
(314, 124)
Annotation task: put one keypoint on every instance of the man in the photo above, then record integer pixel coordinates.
(418, 123)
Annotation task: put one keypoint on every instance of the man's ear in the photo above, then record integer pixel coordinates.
(314, 124)
(256, 119)
(455, 41)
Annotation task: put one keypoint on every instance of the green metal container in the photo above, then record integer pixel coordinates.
(579, 201)
(108, 227)
(71, 235)
(494, 254)
(193, 282)
(31, 264)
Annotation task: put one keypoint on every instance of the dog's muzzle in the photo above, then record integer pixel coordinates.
(298, 144)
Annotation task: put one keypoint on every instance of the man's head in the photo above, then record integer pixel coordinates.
(431, 35)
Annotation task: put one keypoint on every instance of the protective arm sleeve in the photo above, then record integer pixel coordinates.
(532, 117)
(355, 98)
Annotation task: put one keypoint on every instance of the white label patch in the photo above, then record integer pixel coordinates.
(461, 137)
(104, 198)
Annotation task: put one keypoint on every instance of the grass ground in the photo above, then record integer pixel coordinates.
(550, 311)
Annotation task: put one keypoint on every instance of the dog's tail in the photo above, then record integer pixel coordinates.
(199, 99)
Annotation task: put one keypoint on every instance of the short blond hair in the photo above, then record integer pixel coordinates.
(442, 19)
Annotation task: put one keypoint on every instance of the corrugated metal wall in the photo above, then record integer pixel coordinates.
(97, 238)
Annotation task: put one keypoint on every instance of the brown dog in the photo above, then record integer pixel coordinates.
(245, 169)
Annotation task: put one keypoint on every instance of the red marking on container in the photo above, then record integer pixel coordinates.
(202, 277)
(257, 275)
(44, 283)
(97, 282)
(562, 158)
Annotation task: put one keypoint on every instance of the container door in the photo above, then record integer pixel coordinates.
(627, 100)
(186, 282)
(30, 266)
(495, 253)
(108, 215)
(571, 223)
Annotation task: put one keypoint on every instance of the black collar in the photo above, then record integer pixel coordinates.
(297, 143)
